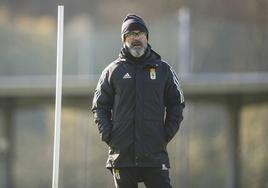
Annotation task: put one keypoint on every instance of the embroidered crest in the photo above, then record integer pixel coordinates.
(152, 73)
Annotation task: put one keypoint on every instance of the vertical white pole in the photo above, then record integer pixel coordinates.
(184, 40)
(56, 154)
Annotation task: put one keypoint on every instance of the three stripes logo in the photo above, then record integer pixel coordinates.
(126, 76)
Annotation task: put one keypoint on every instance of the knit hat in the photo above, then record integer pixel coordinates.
(133, 22)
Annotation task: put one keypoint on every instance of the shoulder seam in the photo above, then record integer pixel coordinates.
(111, 68)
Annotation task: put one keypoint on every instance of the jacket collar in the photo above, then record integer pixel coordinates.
(148, 59)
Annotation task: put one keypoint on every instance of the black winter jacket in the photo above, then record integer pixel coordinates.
(137, 107)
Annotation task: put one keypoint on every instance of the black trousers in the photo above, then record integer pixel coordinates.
(151, 176)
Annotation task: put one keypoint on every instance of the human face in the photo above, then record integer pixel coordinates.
(136, 41)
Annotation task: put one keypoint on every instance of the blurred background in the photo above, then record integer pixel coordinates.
(218, 48)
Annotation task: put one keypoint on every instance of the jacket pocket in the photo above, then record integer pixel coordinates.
(154, 136)
(122, 134)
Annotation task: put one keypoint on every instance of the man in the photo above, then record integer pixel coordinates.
(137, 107)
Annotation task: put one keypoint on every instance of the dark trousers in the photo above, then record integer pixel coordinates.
(151, 176)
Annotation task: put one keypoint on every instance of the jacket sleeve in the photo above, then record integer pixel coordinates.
(174, 102)
(102, 105)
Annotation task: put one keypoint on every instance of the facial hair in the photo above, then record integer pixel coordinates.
(136, 48)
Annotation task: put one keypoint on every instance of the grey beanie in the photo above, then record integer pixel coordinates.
(133, 22)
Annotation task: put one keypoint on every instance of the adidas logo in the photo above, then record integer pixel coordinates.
(164, 167)
(126, 76)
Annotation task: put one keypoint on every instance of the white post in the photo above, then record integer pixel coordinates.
(184, 40)
(56, 154)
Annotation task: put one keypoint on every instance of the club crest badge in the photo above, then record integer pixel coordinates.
(152, 73)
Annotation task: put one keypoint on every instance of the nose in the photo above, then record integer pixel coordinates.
(136, 36)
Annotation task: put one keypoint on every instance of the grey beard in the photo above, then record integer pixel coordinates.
(136, 51)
